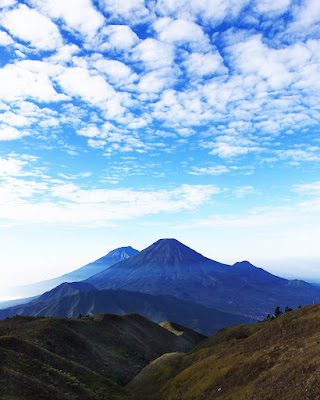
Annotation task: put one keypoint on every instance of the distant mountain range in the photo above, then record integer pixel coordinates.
(79, 274)
(170, 281)
(81, 298)
(168, 267)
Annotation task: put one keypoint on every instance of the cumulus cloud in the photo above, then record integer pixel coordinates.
(272, 7)
(116, 71)
(209, 11)
(119, 37)
(28, 79)
(154, 53)
(30, 26)
(10, 133)
(77, 15)
(78, 82)
(181, 32)
(129, 10)
(205, 64)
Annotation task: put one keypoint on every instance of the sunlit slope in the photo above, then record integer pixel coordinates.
(271, 360)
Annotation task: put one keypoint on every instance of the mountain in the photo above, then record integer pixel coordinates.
(276, 359)
(84, 358)
(171, 268)
(79, 274)
(113, 257)
(72, 299)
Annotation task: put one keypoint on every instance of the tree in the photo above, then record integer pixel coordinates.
(287, 309)
(277, 312)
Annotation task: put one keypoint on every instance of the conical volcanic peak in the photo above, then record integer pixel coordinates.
(165, 260)
(169, 252)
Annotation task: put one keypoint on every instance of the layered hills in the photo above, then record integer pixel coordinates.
(168, 267)
(87, 358)
(276, 360)
(72, 299)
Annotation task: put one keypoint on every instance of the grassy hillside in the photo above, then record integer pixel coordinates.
(84, 358)
(277, 360)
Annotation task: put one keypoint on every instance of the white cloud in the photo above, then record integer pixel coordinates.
(308, 188)
(10, 133)
(154, 54)
(78, 82)
(205, 64)
(116, 71)
(232, 146)
(156, 81)
(243, 191)
(213, 170)
(78, 15)
(27, 79)
(210, 11)
(65, 53)
(120, 37)
(97, 206)
(5, 39)
(11, 166)
(131, 10)
(297, 155)
(13, 119)
(30, 26)
(97, 144)
(273, 7)
(7, 3)
(306, 15)
(180, 32)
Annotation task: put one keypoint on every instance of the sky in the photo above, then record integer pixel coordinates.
(126, 121)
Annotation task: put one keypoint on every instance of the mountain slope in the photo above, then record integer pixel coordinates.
(157, 308)
(273, 360)
(113, 257)
(169, 267)
(87, 358)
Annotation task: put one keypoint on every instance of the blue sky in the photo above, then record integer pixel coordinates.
(124, 121)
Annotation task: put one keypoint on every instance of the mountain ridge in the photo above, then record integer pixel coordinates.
(168, 266)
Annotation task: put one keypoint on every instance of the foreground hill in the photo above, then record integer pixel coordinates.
(275, 360)
(87, 358)
(71, 299)
(101, 264)
(171, 268)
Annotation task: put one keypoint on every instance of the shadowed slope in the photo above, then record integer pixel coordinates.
(50, 358)
(157, 308)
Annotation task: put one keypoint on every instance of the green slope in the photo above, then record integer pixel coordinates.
(276, 360)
